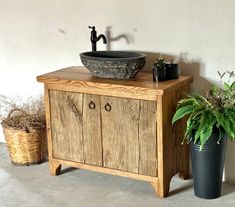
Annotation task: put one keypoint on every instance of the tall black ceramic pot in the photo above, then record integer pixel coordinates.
(207, 167)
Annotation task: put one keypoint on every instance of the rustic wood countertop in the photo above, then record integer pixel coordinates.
(78, 76)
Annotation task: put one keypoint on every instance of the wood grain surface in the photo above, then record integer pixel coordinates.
(66, 125)
(147, 138)
(120, 138)
(78, 79)
(92, 130)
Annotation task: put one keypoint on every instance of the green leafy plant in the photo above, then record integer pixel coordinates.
(160, 63)
(216, 109)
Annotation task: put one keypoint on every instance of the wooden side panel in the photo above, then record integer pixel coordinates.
(147, 138)
(172, 156)
(177, 131)
(182, 153)
(66, 125)
(164, 143)
(92, 130)
(120, 133)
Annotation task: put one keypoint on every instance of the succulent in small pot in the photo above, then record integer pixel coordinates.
(163, 70)
(210, 121)
(159, 70)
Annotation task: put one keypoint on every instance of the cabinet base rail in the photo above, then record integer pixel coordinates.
(55, 168)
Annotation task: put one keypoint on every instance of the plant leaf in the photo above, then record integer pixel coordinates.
(233, 86)
(226, 86)
(206, 127)
(182, 111)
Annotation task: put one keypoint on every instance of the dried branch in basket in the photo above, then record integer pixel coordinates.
(26, 115)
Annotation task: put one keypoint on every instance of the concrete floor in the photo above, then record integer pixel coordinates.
(33, 186)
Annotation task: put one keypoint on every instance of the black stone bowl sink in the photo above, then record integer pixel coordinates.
(113, 64)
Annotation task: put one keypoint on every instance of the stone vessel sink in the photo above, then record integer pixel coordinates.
(113, 64)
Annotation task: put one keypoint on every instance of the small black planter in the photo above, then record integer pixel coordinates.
(167, 71)
(172, 71)
(207, 167)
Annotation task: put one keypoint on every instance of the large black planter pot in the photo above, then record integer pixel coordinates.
(207, 167)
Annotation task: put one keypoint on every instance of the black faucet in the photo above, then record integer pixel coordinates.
(95, 39)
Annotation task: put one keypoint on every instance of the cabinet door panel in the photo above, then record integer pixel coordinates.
(148, 138)
(120, 133)
(66, 125)
(92, 130)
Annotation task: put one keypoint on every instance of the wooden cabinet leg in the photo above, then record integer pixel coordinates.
(161, 188)
(184, 162)
(55, 168)
(155, 187)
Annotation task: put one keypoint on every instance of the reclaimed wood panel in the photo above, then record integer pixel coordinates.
(92, 130)
(66, 125)
(178, 129)
(120, 133)
(147, 138)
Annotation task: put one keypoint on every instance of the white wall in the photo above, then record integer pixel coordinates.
(38, 36)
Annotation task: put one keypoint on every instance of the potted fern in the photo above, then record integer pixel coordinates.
(210, 121)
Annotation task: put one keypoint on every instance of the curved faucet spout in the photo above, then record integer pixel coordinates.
(103, 37)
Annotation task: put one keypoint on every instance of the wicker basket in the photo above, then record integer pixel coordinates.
(26, 148)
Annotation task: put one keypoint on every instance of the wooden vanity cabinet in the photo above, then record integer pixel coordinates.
(120, 127)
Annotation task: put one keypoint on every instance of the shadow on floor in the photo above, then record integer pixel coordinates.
(227, 189)
(181, 188)
(67, 169)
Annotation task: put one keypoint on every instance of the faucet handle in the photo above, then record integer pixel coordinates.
(92, 27)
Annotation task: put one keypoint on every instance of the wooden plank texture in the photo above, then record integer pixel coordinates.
(164, 144)
(120, 133)
(66, 125)
(147, 138)
(79, 79)
(106, 170)
(53, 166)
(92, 130)
(182, 150)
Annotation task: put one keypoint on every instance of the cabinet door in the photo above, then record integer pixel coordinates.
(66, 125)
(92, 130)
(129, 135)
(120, 133)
(75, 127)
(148, 138)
